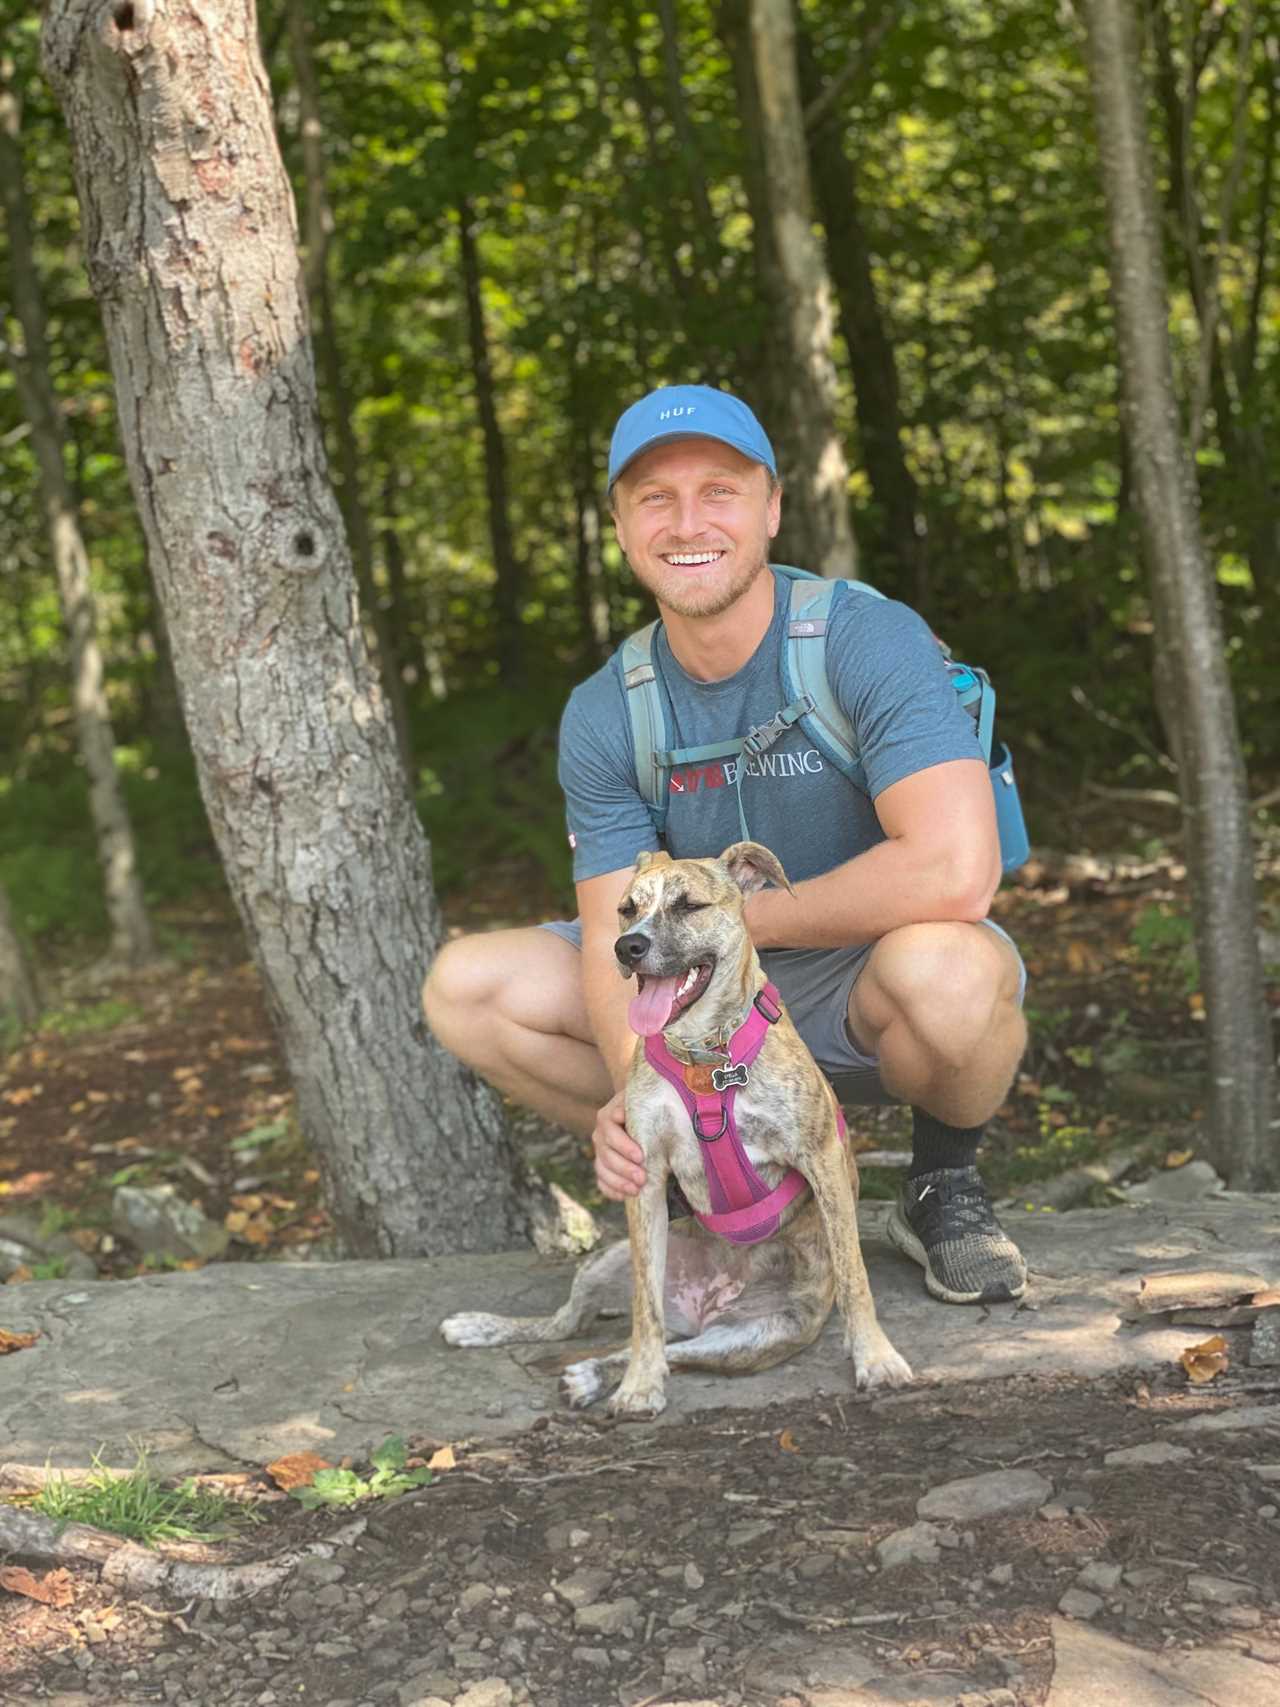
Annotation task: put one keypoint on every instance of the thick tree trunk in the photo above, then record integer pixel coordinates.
(319, 235)
(19, 993)
(1242, 1116)
(899, 543)
(509, 588)
(815, 471)
(190, 240)
(131, 937)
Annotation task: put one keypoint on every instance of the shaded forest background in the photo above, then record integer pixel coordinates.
(518, 218)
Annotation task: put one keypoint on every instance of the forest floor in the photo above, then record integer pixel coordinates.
(734, 1560)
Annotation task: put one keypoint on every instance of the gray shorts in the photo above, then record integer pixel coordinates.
(815, 984)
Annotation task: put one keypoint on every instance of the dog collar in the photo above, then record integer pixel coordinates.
(743, 1208)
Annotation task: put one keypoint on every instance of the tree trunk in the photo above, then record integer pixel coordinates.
(19, 994)
(510, 578)
(319, 234)
(1242, 1123)
(131, 937)
(190, 241)
(816, 471)
(899, 542)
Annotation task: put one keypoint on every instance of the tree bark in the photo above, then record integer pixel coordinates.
(132, 941)
(509, 588)
(190, 240)
(1242, 1117)
(19, 993)
(898, 542)
(816, 472)
(319, 236)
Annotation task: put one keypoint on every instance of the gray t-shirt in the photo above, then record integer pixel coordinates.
(888, 675)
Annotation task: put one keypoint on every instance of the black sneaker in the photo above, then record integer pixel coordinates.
(945, 1222)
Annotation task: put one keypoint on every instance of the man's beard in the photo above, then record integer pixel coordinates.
(693, 597)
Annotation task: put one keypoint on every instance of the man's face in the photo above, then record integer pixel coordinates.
(694, 519)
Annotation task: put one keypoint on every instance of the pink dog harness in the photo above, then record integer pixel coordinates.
(743, 1209)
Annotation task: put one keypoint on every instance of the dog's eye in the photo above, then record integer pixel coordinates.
(684, 905)
(627, 910)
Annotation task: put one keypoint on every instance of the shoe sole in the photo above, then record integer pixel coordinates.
(901, 1235)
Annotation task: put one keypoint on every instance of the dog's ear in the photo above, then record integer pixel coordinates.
(751, 866)
(647, 860)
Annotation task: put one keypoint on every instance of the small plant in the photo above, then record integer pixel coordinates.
(53, 1268)
(1161, 934)
(345, 1487)
(261, 1137)
(98, 1016)
(140, 1507)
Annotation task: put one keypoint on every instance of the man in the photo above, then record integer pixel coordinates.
(891, 971)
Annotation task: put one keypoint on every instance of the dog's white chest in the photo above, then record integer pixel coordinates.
(664, 1127)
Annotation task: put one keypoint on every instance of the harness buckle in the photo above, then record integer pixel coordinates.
(723, 1077)
(759, 1003)
(758, 740)
(710, 1137)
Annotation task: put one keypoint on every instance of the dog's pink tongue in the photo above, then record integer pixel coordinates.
(651, 1009)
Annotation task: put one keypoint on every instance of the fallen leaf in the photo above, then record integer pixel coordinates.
(235, 1221)
(1083, 957)
(15, 1342)
(1205, 1361)
(787, 1441)
(297, 1469)
(53, 1589)
(1178, 1158)
(442, 1459)
(19, 1274)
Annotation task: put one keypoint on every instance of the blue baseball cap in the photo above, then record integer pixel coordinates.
(687, 412)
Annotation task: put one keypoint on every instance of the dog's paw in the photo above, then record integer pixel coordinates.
(474, 1327)
(581, 1384)
(640, 1400)
(879, 1365)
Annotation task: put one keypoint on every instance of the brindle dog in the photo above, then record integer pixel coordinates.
(742, 1307)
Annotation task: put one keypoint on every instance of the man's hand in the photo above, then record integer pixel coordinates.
(619, 1159)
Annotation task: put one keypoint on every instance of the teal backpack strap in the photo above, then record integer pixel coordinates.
(648, 721)
(804, 666)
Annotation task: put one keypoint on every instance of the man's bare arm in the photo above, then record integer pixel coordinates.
(941, 861)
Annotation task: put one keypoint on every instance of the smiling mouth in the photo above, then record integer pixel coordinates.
(692, 559)
(660, 1001)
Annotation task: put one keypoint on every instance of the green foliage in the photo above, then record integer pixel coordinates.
(140, 1507)
(345, 1487)
(97, 1016)
(1166, 937)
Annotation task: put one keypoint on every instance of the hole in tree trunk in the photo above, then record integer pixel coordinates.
(123, 16)
(304, 545)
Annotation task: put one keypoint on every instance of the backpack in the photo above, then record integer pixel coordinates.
(808, 701)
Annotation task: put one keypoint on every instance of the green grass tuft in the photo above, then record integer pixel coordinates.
(139, 1506)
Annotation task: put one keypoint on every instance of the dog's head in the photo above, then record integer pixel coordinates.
(683, 933)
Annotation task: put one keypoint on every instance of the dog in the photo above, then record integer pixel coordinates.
(732, 1307)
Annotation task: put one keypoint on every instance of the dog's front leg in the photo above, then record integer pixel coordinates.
(875, 1362)
(643, 1389)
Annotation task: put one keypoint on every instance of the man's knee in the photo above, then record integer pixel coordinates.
(955, 985)
(458, 984)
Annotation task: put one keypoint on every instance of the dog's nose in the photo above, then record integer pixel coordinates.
(632, 948)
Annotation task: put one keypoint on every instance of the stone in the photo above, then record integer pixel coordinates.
(489, 1692)
(607, 1617)
(1187, 1184)
(1224, 1422)
(583, 1587)
(1217, 1591)
(1101, 1576)
(915, 1546)
(1150, 1452)
(996, 1493)
(693, 1577)
(688, 1663)
(1001, 1575)
(753, 1529)
(1264, 1344)
(1238, 1617)
(477, 1595)
(1092, 1669)
(156, 1221)
(1079, 1603)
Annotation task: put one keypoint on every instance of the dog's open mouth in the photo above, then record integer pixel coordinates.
(660, 1000)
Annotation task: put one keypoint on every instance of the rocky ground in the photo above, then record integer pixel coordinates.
(926, 1545)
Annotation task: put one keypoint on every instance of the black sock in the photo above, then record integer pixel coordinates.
(935, 1145)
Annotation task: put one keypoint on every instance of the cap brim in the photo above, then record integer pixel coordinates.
(748, 451)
